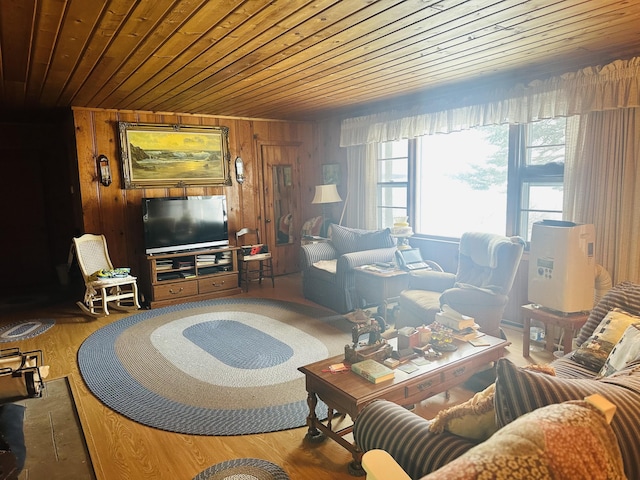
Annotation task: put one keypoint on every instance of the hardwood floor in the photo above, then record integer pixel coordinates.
(123, 449)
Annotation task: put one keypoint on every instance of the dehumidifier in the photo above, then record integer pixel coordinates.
(562, 266)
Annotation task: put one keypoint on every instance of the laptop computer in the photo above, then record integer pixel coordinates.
(410, 259)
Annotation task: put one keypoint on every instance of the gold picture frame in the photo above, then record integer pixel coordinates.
(161, 155)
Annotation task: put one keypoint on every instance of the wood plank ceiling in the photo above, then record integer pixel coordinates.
(292, 59)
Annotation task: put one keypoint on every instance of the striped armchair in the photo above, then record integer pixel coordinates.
(419, 451)
(328, 276)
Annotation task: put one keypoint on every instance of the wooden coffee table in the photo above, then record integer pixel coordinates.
(348, 393)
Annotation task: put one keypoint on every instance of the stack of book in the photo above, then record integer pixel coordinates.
(164, 264)
(206, 260)
(464, 327)
(373, 371)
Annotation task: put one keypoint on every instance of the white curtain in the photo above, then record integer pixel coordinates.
(599, 88)
(359, 210)
(602, 188)
(602, 170)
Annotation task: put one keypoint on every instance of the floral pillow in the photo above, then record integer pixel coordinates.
(519, 391)
(542, 444)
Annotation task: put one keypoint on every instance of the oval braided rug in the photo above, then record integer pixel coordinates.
(243, 469)
(218, 367)
(22, 330)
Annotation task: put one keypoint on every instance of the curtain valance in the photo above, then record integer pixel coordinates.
(598, 88)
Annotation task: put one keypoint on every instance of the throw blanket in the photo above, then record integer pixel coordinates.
(482, 249)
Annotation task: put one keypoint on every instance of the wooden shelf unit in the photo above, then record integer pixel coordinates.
(194, 275)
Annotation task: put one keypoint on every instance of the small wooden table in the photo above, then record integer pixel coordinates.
(380, 286)
(570, 324)
(349, 393)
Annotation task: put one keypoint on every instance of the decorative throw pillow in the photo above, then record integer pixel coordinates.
(543, 444)
(520, 391)
(625, 295)
(347, 240)
(595, 350)
(313, 226)
(626, 350)
(373, 240)
(474, 419)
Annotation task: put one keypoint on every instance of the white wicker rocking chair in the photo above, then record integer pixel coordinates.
(122, 290)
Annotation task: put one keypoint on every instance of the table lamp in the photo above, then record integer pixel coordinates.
(402, 231)
(324, 195)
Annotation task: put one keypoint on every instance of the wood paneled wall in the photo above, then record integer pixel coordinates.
(116, 212)
(329, 152)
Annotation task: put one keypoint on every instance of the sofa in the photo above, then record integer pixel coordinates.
(328, 275)
(605, 362)
(487, 266)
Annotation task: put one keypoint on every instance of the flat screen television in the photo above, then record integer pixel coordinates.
(176, 224)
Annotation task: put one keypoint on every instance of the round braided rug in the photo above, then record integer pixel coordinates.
(218, 367)
(17, 331)
(243, 469)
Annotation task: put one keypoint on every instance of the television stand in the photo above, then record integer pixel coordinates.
(192, 275)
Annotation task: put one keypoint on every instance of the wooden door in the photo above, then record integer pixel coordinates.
(282, 215)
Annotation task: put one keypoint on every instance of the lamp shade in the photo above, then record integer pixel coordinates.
(326, 194)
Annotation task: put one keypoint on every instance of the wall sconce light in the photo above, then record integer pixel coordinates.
(105, 170)
(239, 170)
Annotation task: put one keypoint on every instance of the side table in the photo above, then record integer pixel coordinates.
(307, 239)
(377, 286)
(570, 324)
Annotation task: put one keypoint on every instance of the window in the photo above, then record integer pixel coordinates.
(540, 165)
(497, 178)
(462, 182)
(393, 178)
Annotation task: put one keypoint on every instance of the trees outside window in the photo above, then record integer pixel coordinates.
(497, 178)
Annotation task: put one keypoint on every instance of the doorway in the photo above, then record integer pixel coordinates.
(282, 216)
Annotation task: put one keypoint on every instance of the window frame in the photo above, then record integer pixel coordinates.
(523, 174)
(519, 173)
(393, 184)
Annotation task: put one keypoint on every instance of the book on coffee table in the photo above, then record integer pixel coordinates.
(373, 371)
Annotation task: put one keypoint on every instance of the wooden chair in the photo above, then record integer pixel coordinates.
(120, 288)
(254, 258)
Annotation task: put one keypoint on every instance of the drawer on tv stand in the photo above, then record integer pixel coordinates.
(217, 283)
(175, 290)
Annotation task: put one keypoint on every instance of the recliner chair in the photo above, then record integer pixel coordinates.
(487, 267)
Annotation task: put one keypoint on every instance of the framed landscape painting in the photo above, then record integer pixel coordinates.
(158, 155)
